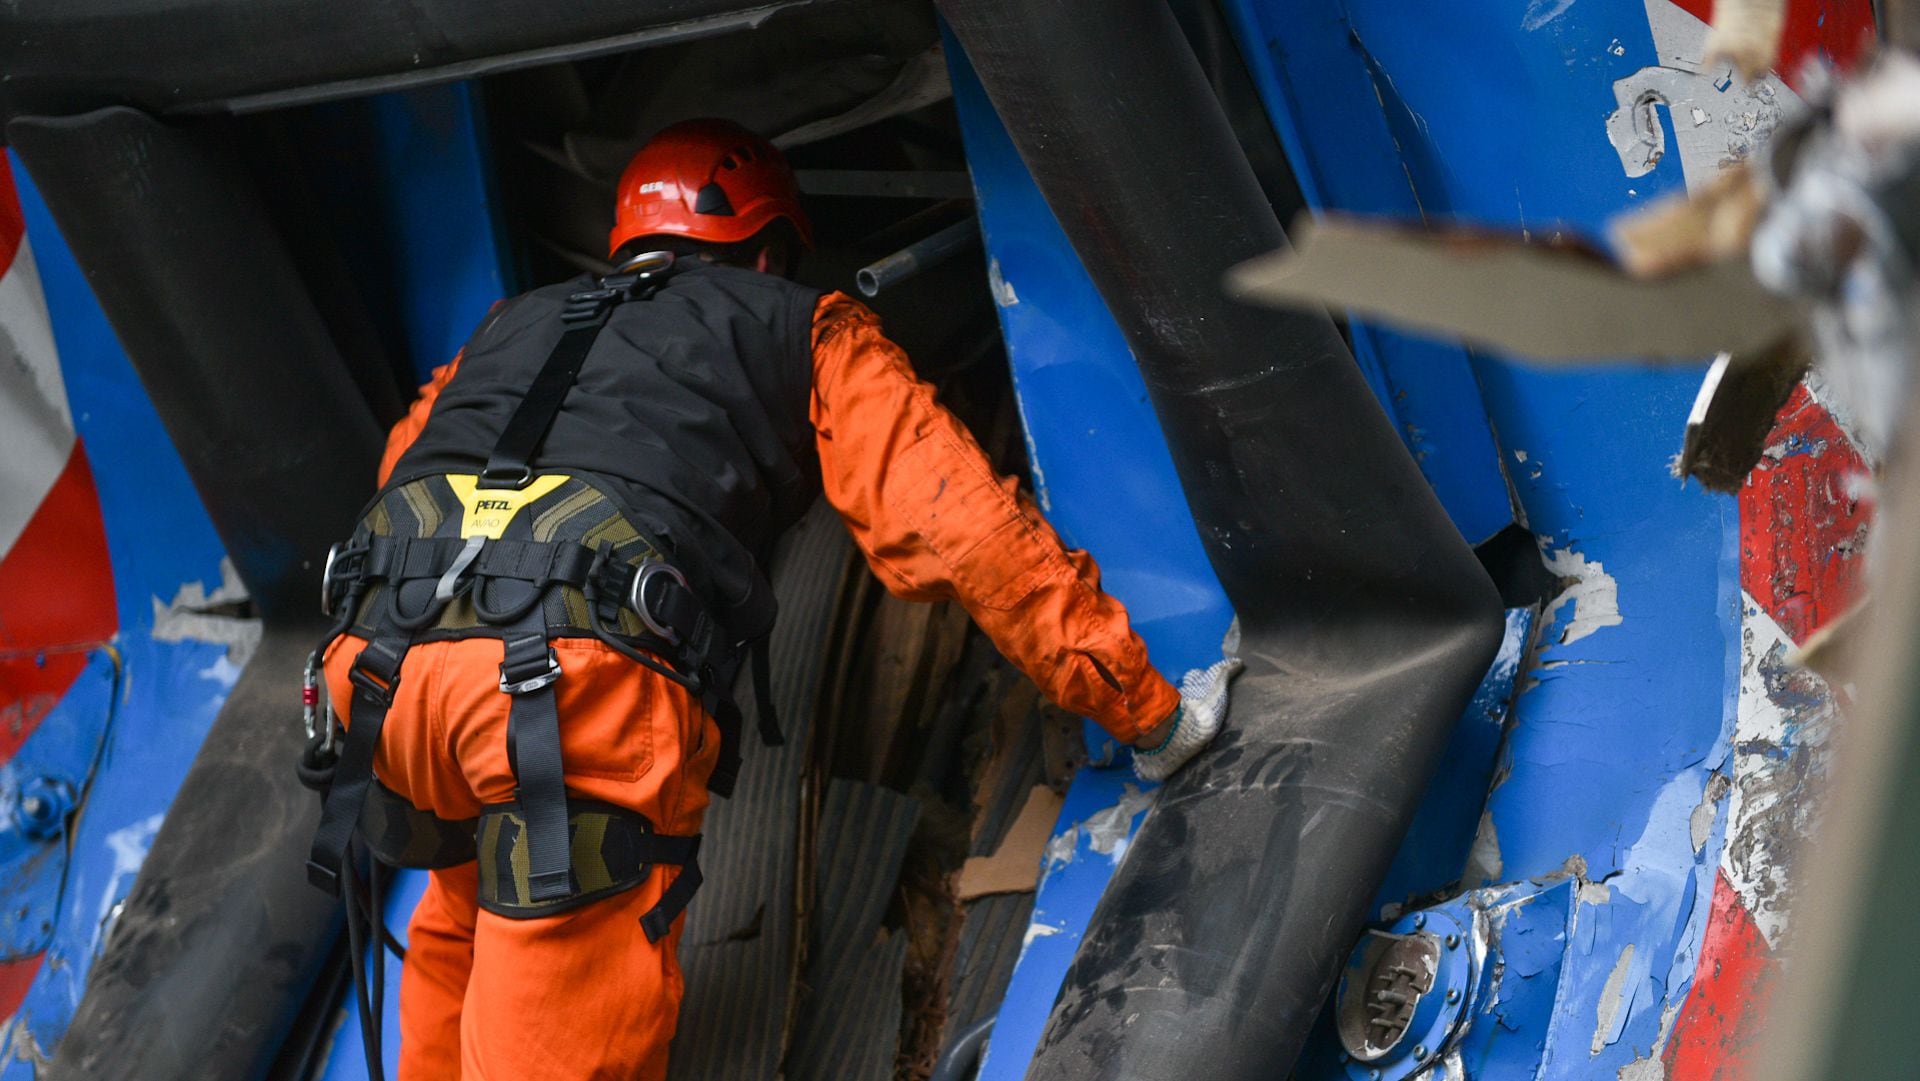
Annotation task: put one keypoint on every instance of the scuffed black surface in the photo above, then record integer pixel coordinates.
(64, 57)
(221, 935)
(1366, 620)
(177, 244)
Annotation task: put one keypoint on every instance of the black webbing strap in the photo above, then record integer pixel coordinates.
(763, 695)
(726, 716)
(375, 676)
(511, 463)
(659, 919)
(528, 672)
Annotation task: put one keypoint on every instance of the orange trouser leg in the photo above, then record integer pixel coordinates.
(433, 982)
(581, 996)
(570, 997)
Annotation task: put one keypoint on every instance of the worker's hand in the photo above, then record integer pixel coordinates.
(1203, 705)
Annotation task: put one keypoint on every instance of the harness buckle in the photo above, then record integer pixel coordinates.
(587, 304)
(514, 477)
(366, 681)
(453, 582)
(646, 572)
(509, 685)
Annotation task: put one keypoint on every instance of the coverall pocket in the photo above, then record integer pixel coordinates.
(612, 720)
(992, 552)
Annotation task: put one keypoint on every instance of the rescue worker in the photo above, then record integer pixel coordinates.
(685, 429)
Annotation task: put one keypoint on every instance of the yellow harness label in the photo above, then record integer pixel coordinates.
(488, 510)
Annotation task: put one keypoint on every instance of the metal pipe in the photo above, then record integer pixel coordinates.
(917, 257)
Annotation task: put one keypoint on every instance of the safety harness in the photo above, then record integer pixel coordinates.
(524, 556)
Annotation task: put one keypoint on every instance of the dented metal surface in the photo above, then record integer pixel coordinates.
(1670, 866)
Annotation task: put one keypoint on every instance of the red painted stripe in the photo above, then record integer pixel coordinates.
(15, 978)
(1802, 538)
(1717, 1032)
(30, 686)
(1838, 29)
(56, 601)
(56, 586)
(13, 224)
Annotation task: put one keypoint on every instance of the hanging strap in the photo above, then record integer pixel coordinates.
(528, 672)
(763, 694)
(375, 677)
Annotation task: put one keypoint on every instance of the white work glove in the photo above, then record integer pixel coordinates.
(1203, 705)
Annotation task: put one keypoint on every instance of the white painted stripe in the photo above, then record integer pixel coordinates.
(36, 426)
(23, 312)
(1717, 118)
(1779, 751)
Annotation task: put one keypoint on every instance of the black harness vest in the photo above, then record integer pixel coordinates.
(610, 459)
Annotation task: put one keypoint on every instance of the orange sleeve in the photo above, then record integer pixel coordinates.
(935, 523)
(408, 428)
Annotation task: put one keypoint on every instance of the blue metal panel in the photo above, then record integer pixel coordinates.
(166, 693)
(1317, 83)
(405, 170)
(1101, 469)
(1439, 840)
(1103, 476)
(1495, 114)
(38, 785)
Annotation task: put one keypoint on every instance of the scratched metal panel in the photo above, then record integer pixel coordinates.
(859, 1033)
(850, 1025)
(992, 931)
(864, 830)
(739, 947)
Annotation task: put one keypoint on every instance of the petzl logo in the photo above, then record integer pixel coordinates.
(492, 504)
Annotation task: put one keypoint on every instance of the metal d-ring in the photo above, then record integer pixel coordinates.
(637, 595)
(326, 578)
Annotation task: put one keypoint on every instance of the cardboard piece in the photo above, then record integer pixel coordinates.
(1504, 293)
(1682, 231)
(1014, 867)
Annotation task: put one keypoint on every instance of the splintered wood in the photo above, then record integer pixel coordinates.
(1746, 34)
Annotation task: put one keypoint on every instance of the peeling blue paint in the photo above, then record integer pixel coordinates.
(1074, 876)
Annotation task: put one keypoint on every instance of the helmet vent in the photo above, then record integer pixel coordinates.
(712, 200)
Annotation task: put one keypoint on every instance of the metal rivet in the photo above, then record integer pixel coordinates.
(1374, 1073)
(1453, 995)
(1420, 1053)
(1453, 941)
(1420, 921)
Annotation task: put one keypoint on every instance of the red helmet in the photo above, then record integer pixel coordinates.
(708, 180)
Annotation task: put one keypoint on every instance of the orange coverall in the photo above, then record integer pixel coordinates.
(583, 994)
